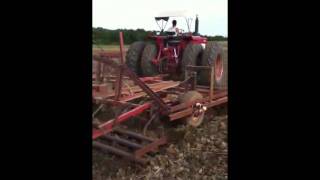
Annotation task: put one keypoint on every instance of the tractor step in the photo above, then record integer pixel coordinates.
(128, 144)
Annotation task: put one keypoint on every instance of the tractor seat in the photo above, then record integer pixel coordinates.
(170, 33)
(173, 42)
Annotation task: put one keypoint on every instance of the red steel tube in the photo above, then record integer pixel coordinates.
(121, 48)
(107, 127)
(119, 79)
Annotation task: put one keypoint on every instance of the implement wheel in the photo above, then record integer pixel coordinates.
(196, 118)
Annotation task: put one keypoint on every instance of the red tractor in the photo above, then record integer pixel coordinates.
(169, 53)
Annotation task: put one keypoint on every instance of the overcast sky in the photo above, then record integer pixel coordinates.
(133, 14)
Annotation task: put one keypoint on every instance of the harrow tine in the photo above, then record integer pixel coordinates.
(134, 135)
(122, 141)
(119, 152)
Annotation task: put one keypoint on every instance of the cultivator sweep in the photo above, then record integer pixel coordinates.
(145, 100)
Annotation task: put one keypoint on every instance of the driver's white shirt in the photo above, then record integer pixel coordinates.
(173, 29)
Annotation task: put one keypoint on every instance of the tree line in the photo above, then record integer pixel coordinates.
(101, 36)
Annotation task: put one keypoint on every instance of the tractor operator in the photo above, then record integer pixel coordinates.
(174, 28)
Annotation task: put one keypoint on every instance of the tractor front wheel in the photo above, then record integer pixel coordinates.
(191, 56)
(213, 57)
(147, 67)
(133, 56)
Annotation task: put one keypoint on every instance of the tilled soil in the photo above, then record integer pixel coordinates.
(193, 153)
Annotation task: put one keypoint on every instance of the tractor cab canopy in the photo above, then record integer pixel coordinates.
(165, 16)
(162, 18)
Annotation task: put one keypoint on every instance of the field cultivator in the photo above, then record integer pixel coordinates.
(145, 100)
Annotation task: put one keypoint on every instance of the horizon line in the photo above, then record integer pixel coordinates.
(150, 30)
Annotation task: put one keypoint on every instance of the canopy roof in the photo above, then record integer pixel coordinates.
(165, 15)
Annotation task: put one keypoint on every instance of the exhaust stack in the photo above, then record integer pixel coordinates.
(196, 30)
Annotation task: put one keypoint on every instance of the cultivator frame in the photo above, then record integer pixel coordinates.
(156, 89)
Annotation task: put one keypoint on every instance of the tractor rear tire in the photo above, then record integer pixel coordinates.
(147, 67)
(191, 56)
(133, 56)
(188, 97)
(213, 57)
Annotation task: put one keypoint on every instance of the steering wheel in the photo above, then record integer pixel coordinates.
(180, 32)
